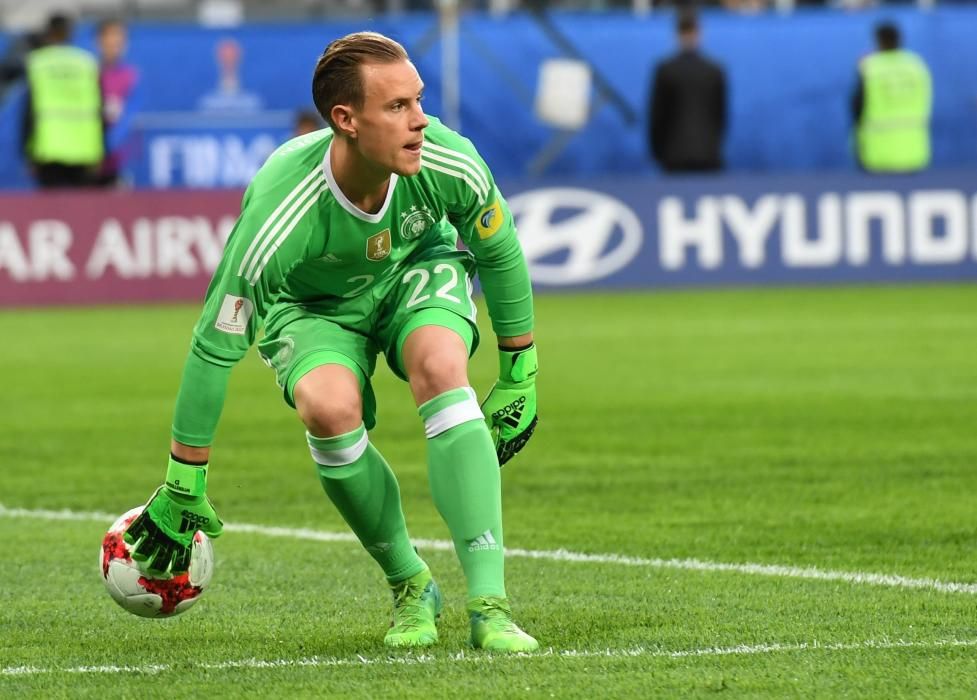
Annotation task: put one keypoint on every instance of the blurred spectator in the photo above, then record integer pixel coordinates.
(307, 121)
(745, 6)
(13, 64)
(118, 82)
(62, 128)
(891, 107)
(688, 106)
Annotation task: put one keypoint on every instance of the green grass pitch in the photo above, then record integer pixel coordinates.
(786, 478)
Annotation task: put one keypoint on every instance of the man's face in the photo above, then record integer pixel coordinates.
(112, 43)
(390, 124)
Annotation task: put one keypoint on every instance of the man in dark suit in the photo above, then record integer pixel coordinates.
(687, 106)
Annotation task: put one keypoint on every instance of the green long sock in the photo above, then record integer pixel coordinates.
(361, 485)
(464, 474)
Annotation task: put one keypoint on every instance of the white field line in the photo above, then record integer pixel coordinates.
(480, 658)
(562, 555)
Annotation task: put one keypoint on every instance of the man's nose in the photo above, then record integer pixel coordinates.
(420, 120)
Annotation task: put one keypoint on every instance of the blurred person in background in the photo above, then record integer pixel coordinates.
(891, 106)
(118, 81)
(346, 248)
(13, 67)
(687, 106)
(63, 132)
(745, 6)
(306, 121)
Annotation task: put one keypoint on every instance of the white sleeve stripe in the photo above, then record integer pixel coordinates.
(342, 456)
(283, 220)
(274, 216)
(454, 415)
(482, 173)
(462, 176)
(434, 157)
(281, 239)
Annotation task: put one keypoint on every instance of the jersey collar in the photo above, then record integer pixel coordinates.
(344, 201)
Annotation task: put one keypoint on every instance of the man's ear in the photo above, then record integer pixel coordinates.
(342, 117)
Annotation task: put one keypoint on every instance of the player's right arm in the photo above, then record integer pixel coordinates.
(270, 237)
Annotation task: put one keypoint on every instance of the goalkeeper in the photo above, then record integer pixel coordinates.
(346, 247)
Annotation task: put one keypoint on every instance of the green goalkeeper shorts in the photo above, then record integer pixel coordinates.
(435, 291)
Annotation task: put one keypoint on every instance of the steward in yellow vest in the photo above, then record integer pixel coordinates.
(892, 108)
(65, 139)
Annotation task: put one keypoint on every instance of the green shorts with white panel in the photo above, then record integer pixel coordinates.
(433, 290)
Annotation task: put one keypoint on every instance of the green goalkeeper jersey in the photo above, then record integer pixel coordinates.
(300, 244)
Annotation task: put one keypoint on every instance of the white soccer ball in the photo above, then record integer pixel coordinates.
(142, 594)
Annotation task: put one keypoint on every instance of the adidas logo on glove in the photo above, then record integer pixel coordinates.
(192, 521)
(511, 414)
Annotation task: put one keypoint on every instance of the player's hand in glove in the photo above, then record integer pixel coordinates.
(162, 534)
(510, 407)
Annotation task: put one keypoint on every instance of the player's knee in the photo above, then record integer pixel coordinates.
(328, 416)
(437, 372)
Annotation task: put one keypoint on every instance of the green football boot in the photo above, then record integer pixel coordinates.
(417, 606)
(493, 628)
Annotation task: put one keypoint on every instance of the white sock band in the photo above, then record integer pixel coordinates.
(339, 457)
(453, 415)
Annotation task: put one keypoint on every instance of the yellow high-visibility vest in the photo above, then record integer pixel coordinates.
(893, 135)
(67, 103)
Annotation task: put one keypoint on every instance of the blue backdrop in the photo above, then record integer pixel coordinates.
(790, 76)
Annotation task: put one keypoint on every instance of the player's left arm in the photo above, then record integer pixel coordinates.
(510, 409)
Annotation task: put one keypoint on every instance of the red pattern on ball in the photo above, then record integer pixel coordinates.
(172, 591)
(113, 547)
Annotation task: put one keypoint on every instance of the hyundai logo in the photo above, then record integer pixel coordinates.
(594, 236)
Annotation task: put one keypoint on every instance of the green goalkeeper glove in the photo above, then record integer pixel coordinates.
(510, 407)
(162, 534)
